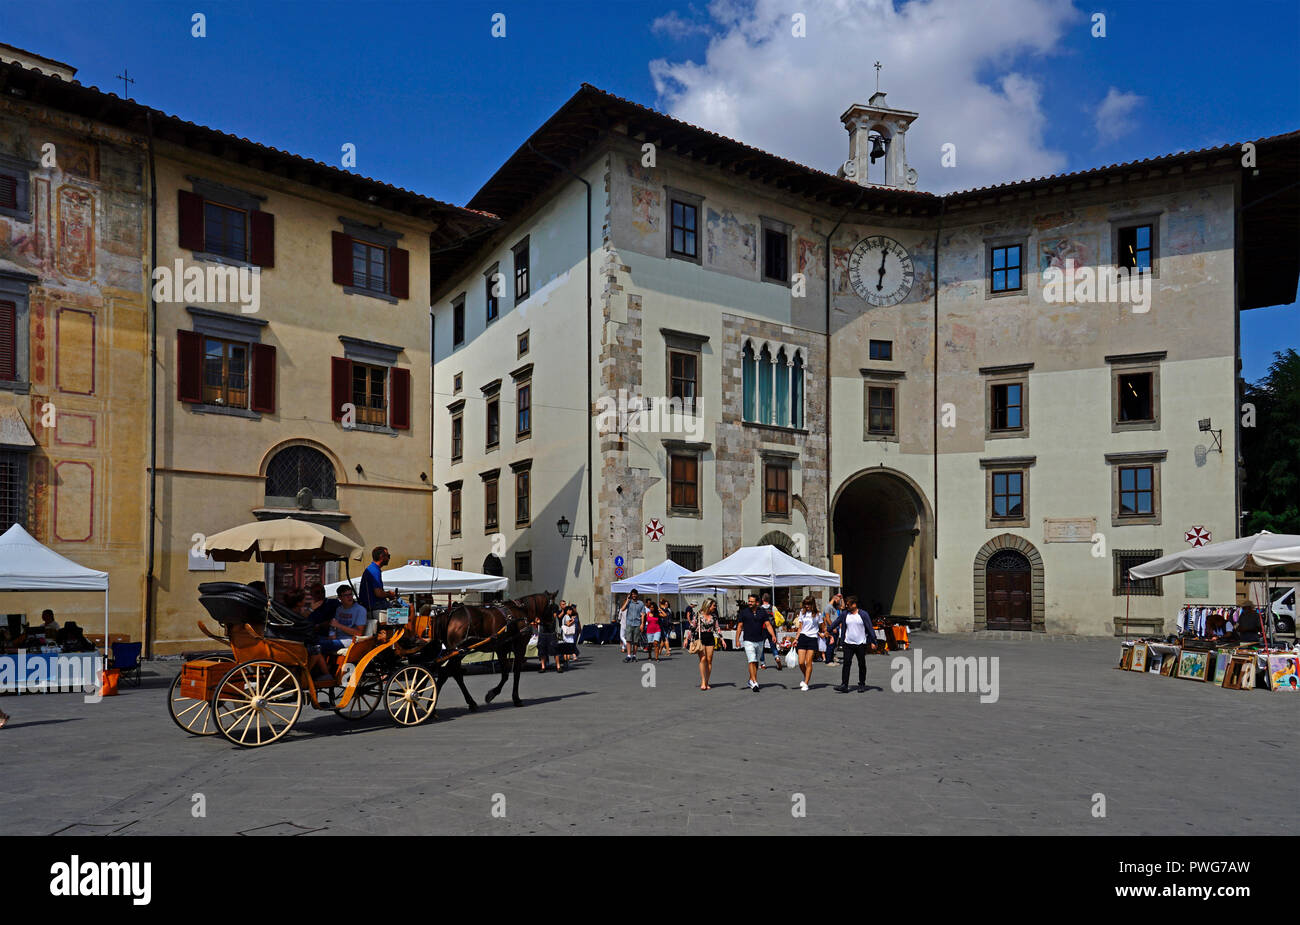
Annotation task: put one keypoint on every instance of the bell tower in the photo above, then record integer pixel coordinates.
(876, 131)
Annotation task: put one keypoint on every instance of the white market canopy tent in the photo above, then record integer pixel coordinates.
(662, 579)
(1263, 550)
(426, 579)
(759, 567)
(27, 565)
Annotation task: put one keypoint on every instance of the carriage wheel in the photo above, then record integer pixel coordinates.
(256, 703)
(194, 716)
(369, 692)
(410, 695)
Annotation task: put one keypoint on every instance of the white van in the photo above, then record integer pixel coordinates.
(1284, 610)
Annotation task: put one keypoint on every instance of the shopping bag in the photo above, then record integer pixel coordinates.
(108, 679)
(792, 659)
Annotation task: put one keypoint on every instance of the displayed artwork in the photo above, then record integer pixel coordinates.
(1139, 660)
(645, 210)
(1125, 658)
(1284, 672)
(1240, 675)
(1194, 665)
(840, 270)
(76, 233)
(1169, 666)
(730, 241)
(1222, 659)
(1155, 662)
(1069, 255)
(1198, 536)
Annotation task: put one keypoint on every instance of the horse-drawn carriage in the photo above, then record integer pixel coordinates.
(255, 695)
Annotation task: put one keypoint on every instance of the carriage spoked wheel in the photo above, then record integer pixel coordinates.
(410, 695)
(366, 698)
(256, 703)
(194, 716)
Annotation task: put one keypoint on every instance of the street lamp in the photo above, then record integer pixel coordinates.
(1204, 426)
(563, 526)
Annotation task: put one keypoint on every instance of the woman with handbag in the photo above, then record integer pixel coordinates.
(702, 636)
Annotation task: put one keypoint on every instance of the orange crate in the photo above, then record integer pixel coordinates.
(199, 679)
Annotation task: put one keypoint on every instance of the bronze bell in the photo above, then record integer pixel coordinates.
(877, 148)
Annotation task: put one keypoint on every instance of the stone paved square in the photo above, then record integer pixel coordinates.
(594, 751)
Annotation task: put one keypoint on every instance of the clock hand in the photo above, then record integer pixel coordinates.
(881, 283)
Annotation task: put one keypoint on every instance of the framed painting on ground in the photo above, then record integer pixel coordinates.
(1284, 671)
(1194, 665)
(1222, 659)
(1155, 662)
(1170, 665)
(1139, 662)
(1125, 658)
(1240, 675)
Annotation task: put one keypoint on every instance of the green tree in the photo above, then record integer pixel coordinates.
(1270, 493)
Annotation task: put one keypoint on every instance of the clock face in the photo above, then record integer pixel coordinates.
(881, 270)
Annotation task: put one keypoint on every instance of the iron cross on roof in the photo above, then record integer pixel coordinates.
(126, 78)
(877, 67)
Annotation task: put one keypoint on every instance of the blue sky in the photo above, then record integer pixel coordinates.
(434, 103)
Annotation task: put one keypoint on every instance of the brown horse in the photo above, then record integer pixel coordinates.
(506, 624)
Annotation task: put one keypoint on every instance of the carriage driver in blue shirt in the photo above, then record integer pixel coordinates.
(373, 596)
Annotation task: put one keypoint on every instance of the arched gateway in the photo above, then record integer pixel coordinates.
(883, 544)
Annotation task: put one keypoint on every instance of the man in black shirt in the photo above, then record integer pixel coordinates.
(753, 630)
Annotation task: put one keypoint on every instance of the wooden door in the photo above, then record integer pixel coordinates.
(1008, 594)
(290, 575)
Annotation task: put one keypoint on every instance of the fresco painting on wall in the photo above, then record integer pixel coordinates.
(1055, 252)
(76, 233)
(840, 269)
(645, 210)
(728, 238)
(808, 258)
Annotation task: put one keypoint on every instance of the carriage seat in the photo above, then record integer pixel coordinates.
(231, 603)
(249, 645)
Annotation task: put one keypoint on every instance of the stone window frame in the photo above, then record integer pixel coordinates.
(1118, 461)
(229, 197)
(688, 550)
(16, 288)
(1003, 465)
(491, 396)
(457, 383)
(1131, 221)
(374, 353)
(458, 308)
(1157, 586)
(492, 476)
(523, 246)
(1121, 364)
(684, 448)
(991, 244)
(1037, 580)
(785, 459)
(457, 411)
(880, 379)
(488, 296)
(786, 230)
(793, 350)
(524, 556)
(672, 194)
(458, 563)
(523, 379)
(521, 344)
(523, 468)
(455, 500)
(1010, 374)
(888, 345)
(20, 168)
(688, 343)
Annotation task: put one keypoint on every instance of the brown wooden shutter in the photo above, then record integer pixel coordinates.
(340, 385)
(8, 341)
(191, 221)
(263, 397)
(399, 275)
(399, 405)
(262, 233)
(342, 259)
(189, 366)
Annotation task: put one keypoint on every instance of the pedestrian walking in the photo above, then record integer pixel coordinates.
(653, 630)
(857, 636)
(753, 630)
(812, 630)
(630, 617)
(547, 643)
(703, 629)
(831, 614)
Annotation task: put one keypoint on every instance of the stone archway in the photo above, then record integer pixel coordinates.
(882, 544)
(1009, 543)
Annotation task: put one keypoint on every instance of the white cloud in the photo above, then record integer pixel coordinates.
(675, 26)
(959, 64)
(1114, 115)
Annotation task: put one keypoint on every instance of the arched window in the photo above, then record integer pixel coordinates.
(295, 468)
(748, 375)
(782, 390)
(765, 386)
(796, 391)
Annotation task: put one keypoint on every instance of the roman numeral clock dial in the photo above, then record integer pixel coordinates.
(881, 271)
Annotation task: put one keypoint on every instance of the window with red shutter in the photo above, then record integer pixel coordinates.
(399, 285)
(262, 238)
(342, 251)
(190, 209)
(400, 404)
(263, 398)
(8, 341)
(189, 366)
(340, 385)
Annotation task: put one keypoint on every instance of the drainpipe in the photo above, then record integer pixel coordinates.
(153, 395)
(433, 536)
(934, 445)
(591, 532)
(830, 521)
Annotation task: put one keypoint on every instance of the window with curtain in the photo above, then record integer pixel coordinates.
(749, 386)
(796, 391)
(782, 390)
(765, 386)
